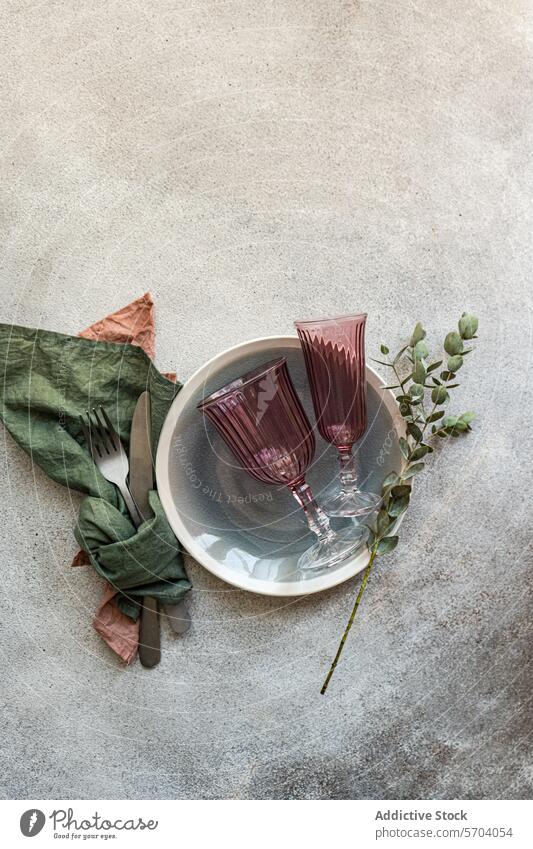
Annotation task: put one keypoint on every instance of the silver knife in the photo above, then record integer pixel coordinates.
(141, 482)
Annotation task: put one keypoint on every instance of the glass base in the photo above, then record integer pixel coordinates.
(326, 553)
(348, 502)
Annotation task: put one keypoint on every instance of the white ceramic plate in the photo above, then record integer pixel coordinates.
(245, 532)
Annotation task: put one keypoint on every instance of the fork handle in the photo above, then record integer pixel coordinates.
(130, 504)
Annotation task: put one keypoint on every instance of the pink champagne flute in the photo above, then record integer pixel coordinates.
(334, 353)
(260, 417)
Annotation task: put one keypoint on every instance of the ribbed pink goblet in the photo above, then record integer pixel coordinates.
(334, 353)
(260, 417)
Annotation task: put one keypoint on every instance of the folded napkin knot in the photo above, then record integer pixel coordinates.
(137, 562)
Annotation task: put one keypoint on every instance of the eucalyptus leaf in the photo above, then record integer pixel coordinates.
(453, 344)
(404, 447)
(439, 395)
(401, 490)
(414, 431)
(383, 349)
(416, 390)
(398, 506)
(434, 366)
(412, 470)
(468, 325)
(450, 421)
(400, 354)
(420, 350)
(418, 334)
(390, 480)
(420, 452)
(467, 417)
(386, 545)
(419, 372)
(383, 522)
(455, 363)
(434, 417)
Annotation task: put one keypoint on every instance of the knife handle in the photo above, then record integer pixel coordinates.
(149, 633)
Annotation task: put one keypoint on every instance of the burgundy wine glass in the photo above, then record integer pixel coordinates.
(260, 417)
(334, 353)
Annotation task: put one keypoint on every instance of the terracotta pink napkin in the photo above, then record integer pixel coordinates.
(133, 325)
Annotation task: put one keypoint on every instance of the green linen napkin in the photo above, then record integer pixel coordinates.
(47, 381)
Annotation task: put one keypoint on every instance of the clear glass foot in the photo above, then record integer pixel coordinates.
(343, 497)
(349, 501)
(331, 549)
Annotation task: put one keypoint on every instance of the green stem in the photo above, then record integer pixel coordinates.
(350, 620)
(421, 439)
(398, 378)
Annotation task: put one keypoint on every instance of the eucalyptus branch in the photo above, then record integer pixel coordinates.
(414, 446)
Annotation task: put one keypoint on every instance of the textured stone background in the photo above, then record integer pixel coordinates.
(252, 162)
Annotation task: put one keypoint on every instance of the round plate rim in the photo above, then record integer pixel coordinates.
(318, 583)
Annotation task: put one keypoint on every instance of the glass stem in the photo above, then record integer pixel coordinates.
(316, 518)
(347, 468)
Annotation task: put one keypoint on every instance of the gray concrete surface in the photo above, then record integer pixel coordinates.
(253, 162)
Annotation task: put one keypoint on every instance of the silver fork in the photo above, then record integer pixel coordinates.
(109, 455)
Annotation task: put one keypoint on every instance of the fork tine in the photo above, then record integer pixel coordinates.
(96, 436)
(101, 432)
(95, 445)
(111, 432)
(87, 434)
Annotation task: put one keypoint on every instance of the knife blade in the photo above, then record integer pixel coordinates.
(141, 481)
